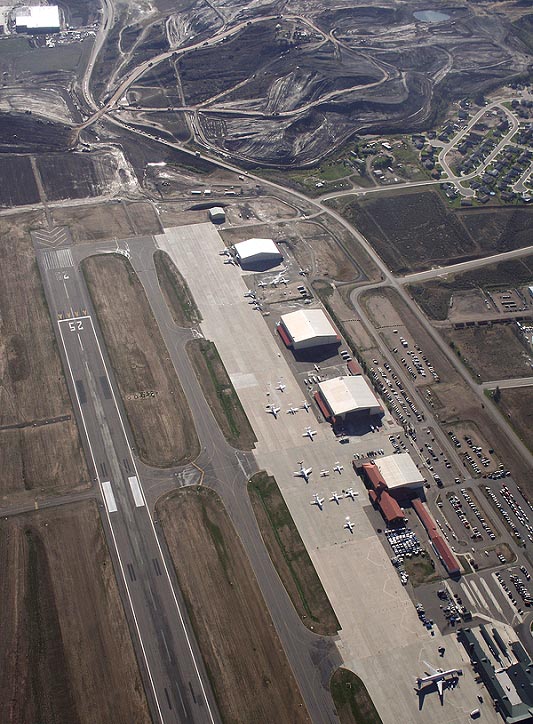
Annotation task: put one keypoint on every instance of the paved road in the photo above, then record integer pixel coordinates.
(463, 266)
(508, 384)
(175, 681)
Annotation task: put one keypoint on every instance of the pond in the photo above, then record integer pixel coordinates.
(431, 16)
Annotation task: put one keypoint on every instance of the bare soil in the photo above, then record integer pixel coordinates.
(40, 447)
(220, 394)
(154, 400)
(110, 220)
(493, 353)
(290, 557)
(66, 650)
(247, 667)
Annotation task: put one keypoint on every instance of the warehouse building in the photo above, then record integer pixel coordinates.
(441, 548)
(307, 328)
(400, 472)
(217, 215)
(38, 20)
(257, 254)
(379, 495)
(349, 395)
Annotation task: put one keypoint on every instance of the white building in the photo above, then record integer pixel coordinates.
(257, 251)
(308, 328)
(217, 214)
(399, 471)
(38, 19)
(345, 395)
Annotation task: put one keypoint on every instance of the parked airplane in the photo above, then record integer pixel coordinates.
(281, 387)
(262, 284)
(338, 468)
(225, 252)
(437, 676)
(350, 493)
(292, 410)
(306, 406)
(309, 433)
(303, 472)
(317, 501)
(230, 261)
(324, 473)
(250, 294)
(349, 525)
(335, 497)
(273, 410)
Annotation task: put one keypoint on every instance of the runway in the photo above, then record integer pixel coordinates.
(175, 680)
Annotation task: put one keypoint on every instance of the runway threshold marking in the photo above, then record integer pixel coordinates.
(109, 497)
(136, 491)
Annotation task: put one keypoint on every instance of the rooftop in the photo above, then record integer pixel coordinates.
(399, 470)
(308, 324)
(38, 16)
(347, 394)
(257, 247)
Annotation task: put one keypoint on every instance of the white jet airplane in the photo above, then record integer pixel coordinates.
(281, 387)
(225, 252)
(292, 410)
(317, 501)
(306, 406)
(349, 525)
(273, 410)
(335, 497)
(350, 493)
(250, 294)
(437, 676)
(324, 473)
(303, 472)
(262, 284)
(309, 433)
(338, 468)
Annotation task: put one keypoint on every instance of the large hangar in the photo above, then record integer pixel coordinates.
(399, 471)
(38, 19)
(254, 253)
(307, 328)
(343, 396)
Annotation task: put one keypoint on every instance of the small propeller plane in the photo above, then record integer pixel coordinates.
(324, 473)
(292, 410)
(306, 406)
(317, 501)
(338, 468)
(250, 294)
(303, 472)
(335, 497)
(350, 493)
(349, 525)
(262, 284)
(273, 410)
(309, 433)
(281, 387)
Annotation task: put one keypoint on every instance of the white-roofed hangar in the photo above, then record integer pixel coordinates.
(399, 471)
(343, 396)
(38, 19)
(307, 328)
(257, 253)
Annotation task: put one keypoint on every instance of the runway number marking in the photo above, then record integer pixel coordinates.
(76, 326)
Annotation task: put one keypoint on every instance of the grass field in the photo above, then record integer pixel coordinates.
(109, 220)
(154, 400)
(517, 406)
(246, 664)
(353, 704)
(220, 394)
(290, 556)
(420, 570)
(34, 454)
(66, 648)
(492, 353)
(434, 296)
(176, 291)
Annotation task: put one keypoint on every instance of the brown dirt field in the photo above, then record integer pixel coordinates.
(64, 641)
(247, 667)
(454, 400)
(161, 422)
(176, 291)
(517, 406)
(220, 394)
(493, 353)
(94, 222)
(290, 557)
(32, 384)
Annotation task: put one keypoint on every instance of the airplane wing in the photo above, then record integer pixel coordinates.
(431, 669)
(440, 686)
